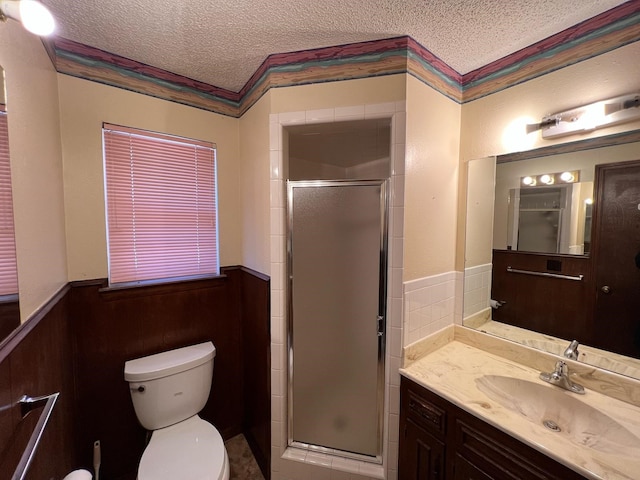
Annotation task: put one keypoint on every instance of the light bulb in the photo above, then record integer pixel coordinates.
(36, 18)
(528, 181)
(567, 177)
(546, 179)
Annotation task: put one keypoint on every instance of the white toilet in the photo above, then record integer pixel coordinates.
(168, 390)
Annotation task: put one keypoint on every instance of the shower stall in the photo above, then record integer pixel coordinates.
(336, 304)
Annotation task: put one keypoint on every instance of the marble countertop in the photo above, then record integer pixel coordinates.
(452, 370)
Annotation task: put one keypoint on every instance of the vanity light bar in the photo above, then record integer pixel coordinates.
(547, 179)
(605, 113)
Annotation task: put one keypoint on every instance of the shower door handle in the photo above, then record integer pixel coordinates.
(380, 321)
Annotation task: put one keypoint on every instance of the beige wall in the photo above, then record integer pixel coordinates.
(338, 94)
(479, 203)
(431, 181)
(36, 166)
(84, 106)
(255, 168)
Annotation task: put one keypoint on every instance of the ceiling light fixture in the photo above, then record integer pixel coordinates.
(34, 16)
(547, 179)
(601, 114)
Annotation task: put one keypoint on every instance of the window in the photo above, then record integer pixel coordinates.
(8, 267)
(161, 206)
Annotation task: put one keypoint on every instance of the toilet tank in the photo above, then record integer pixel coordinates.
(171, 386)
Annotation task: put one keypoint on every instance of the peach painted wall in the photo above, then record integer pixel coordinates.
(431, 181)
(84, 106)
(36, 166)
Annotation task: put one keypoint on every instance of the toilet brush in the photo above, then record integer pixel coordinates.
(96, 459)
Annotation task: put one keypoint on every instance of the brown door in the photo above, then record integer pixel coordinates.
(617, 257)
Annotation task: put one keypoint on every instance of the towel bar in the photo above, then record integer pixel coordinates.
(26, 405)
(546, 274)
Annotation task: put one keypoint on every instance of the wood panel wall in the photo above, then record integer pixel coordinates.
(9, 318)
(557, 307)
(256, 340)
(38, 360)
(80, 346)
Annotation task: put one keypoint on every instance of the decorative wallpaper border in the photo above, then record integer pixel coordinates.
(400, 55)
(329, 64)
(605, 32)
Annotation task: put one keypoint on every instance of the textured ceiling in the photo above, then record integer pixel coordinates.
(222, 42)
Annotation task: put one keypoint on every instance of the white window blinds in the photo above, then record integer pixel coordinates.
(8, 267)
(161, 205)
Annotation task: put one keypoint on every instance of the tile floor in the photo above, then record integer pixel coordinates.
(243, 464)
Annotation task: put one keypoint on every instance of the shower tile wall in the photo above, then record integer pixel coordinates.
(477, 289)
(431, 304)
(295, 464)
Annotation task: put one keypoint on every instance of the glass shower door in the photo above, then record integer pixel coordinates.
(337, 291)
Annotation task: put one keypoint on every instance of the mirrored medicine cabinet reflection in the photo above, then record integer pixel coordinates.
(552, 249)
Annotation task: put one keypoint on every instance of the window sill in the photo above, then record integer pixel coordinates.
(152, 287)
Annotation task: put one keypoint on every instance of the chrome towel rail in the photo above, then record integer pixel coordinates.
(26, 405)
(546, 274)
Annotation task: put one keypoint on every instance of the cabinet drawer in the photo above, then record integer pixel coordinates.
(504, 458)
(425, 413)
(465, 470)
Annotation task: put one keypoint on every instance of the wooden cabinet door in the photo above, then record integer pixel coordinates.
(422, 456)
(465, 470)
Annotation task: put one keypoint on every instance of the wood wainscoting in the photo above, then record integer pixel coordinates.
(554, 306)
(256, 342)
(37, 359)
(79, 346)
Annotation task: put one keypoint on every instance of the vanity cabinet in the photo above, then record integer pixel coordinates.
(440, 441)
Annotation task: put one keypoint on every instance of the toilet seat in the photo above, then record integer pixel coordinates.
(189, 450)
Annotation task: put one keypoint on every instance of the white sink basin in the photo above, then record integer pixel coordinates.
(560, 411)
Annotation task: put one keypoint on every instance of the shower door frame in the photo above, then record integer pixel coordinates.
(381, 318)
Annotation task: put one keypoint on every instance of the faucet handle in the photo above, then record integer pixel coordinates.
(561, 368)
(572, 350)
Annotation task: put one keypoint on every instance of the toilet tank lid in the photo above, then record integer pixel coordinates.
(168, 363)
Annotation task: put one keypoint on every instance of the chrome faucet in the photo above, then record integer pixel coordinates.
(572, 351)
(560, 377)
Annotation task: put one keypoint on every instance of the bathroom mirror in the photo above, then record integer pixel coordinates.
(555, 239)
(9, 306)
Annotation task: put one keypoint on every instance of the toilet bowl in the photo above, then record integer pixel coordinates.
(195, 450)
(168, 390)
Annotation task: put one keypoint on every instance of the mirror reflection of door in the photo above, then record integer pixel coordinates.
(616, 256)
